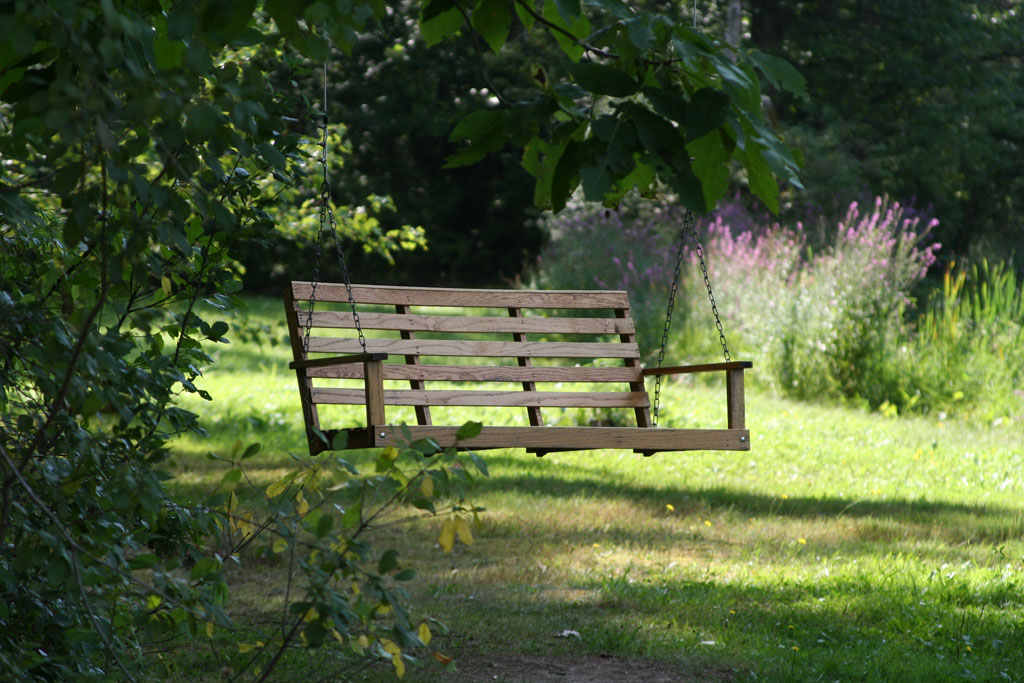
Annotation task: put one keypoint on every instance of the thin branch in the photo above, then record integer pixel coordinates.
(74, 547)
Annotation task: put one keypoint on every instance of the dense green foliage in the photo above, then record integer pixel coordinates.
(923, 102)
(142, 145)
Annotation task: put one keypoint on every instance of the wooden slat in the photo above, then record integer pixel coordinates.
(562, 399)
(706, 367)
(335, 360)
(735, 401)
(565, 438)
(372, 395)
(310, 416)
(422, 412)
(454, 347)
(533, 413)
(485, 373)
(482, 298)
(473, 323)
(642, 413)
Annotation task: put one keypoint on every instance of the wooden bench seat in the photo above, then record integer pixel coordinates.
(483, 340)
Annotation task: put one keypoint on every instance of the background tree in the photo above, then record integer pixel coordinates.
(141, 145)
(921, 101)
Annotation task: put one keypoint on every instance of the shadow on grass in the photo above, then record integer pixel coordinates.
(845, 629)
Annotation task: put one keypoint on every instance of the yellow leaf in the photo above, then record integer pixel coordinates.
(364, 642)
(442, 658)
(165, 284)
(279, 545)
(278, 487)
(311, 614)
(427, 486)
(389, 453)
(390, 647)
(337, 636)
(209, 629)
(303, 506)
(462, 529)
(399, 665)
(447, 537)
(383, 610)
(246, 647)
(424, 633)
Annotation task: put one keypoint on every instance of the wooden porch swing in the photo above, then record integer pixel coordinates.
(456, 340)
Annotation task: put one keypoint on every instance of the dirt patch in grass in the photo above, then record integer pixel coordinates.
(586, 669)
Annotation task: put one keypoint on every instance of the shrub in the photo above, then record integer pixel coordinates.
(631, 250)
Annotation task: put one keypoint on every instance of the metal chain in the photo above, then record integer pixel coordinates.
(689, 229)
(687, 219)
(711, 295)
(327, 219)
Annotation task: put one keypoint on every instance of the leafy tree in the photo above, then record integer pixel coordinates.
(923, 101)
(141, 143)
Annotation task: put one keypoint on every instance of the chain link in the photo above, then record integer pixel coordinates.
(327, 220)
(711, 295)
(689, 229)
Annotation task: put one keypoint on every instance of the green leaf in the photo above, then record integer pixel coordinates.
(780, 73)
(405, 575)
(272, 155)
(388, 561)
(706, 112)
(144, 561)
(579, 29)
(478, 124)
(524, 16)
(710, 164)
(323, 525)
(443, 25)
(671, 105)
(481, 465)
(252, 450)
(602, 79)
(218, 329)
(204, 567)
(469, 430)
(659, 136)
(352, 516)
(567, 175)
(484, 131)
(641, 34)
(168, 53)
(433, 8)
(616, 8)
(426, 446)
(340, 441)
(492, 19)
(760, 178)
(569, 10)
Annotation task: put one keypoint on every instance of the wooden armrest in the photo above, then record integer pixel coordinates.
(706, 367)
(336, 360)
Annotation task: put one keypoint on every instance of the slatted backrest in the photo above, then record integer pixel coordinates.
(584, 343)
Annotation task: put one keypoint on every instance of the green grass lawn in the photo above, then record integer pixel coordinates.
(843, 546)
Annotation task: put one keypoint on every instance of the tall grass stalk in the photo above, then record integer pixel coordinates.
(830, 317)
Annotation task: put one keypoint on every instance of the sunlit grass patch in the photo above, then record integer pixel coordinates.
(844, 545)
